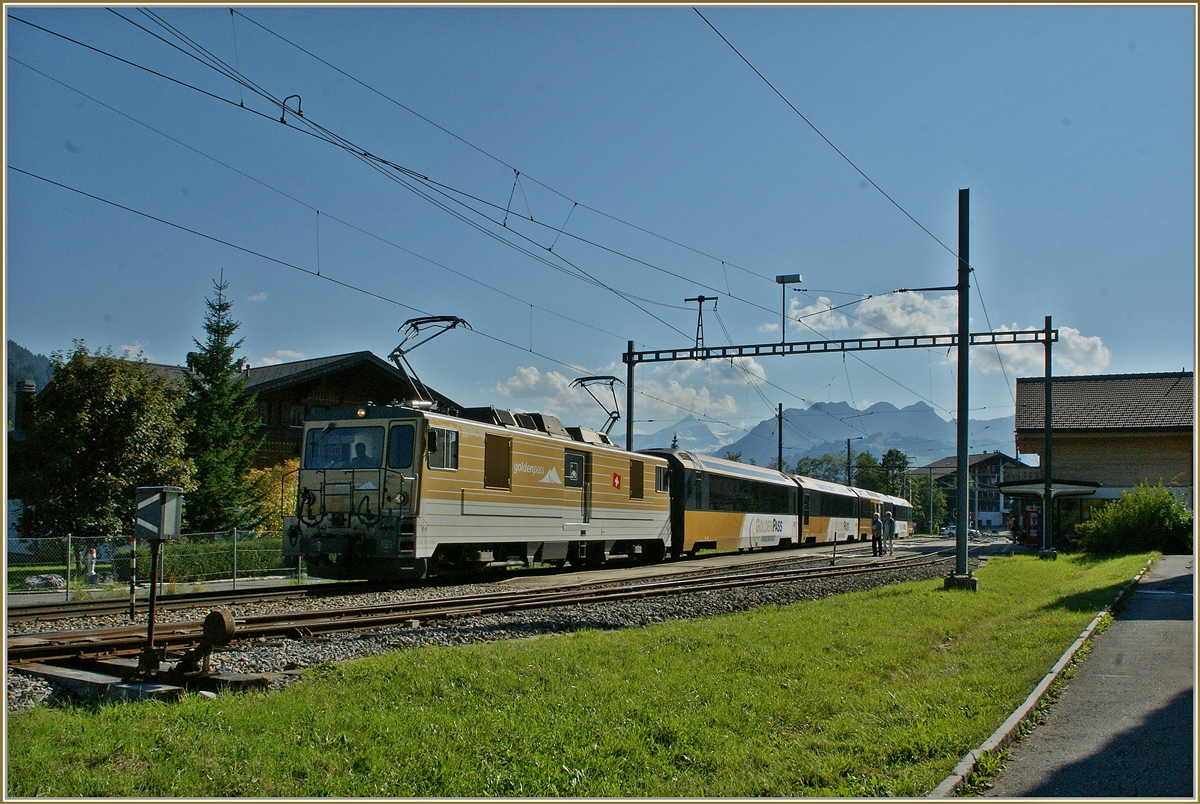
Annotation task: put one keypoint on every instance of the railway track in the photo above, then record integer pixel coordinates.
(109, 642)
(98, 607)
(107, 606)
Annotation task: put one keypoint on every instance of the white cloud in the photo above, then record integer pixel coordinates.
(136, 351)
(257, 297)
(908, 314)
(530, 384)
(764, 328)
(672, 401)
(280, 356)
(1074, 353)
(737, 370)
(1080, 354)
(819, 316)
(663, 395)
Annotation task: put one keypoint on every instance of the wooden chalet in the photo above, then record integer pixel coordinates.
(288, 393)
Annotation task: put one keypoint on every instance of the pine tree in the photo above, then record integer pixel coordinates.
(225, 434)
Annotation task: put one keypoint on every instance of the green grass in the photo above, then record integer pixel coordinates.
(871, 694)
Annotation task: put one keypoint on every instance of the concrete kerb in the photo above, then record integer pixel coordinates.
(1008, 730)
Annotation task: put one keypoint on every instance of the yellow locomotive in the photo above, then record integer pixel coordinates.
(390, 492)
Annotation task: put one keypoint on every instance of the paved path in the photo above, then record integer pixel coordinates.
(1123, 726)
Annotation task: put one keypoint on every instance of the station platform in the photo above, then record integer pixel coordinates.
(1124, 726)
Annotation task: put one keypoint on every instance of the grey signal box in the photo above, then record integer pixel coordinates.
(159, 512)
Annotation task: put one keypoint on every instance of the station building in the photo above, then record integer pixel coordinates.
(1109, 433)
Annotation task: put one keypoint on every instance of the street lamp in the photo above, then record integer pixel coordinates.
(784, 281)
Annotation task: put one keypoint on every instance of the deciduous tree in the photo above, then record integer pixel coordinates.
(829, 467)
(102, 427)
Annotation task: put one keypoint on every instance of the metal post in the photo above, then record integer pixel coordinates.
(132, 578)
(1047, 488)
(69, 557)
(629, 398)
(235, 559)
(148, 662)
(783, 313)
(847, 462)
(780, 450)
(964, 350)
(931, 532)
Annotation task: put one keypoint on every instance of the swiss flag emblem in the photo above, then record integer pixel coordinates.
(616, 481)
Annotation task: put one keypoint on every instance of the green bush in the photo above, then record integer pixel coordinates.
(185, 560)
(1147, 518)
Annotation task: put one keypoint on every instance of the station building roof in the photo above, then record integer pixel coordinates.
(1108, 402)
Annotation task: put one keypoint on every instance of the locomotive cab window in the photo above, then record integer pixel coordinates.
(442, 448)
(333, 447)
(661, 482)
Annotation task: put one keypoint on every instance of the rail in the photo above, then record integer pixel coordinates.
(102, 642)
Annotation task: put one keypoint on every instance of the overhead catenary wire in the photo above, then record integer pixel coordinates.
(312, 208)
(417, 177)
(378, 162)
(325, 277)
(205, 57)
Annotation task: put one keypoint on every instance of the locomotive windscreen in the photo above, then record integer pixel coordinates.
(344, 448)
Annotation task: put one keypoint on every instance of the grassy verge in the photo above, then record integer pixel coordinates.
(872, 694)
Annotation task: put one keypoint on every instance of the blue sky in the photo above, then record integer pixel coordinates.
(656, 166)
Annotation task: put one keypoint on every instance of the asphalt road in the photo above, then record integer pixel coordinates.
(1124, 725)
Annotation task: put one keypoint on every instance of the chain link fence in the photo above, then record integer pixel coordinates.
(80, 568)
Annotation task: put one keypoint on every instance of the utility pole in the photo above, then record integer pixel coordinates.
(629, 401)
(962, 578)
(1048, 487)
(780, 450)
(700, 300)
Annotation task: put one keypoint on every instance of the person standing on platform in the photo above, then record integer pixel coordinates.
(889, 532)
(876, 535)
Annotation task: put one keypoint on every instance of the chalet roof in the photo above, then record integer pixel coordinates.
(269, 378)
(1113, 402)
(282, 375)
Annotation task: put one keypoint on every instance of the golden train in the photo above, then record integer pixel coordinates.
(403, 492)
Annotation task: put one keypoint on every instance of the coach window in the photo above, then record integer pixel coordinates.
(660, 479)
(637, 479)
(497, 462)
(442, 448)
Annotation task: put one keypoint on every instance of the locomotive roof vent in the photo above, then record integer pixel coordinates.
(588, 436)
(525, 420)
(489, 415)
(550, 425)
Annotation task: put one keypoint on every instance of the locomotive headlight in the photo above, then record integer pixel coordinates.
(401, 498)
(361, 412)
